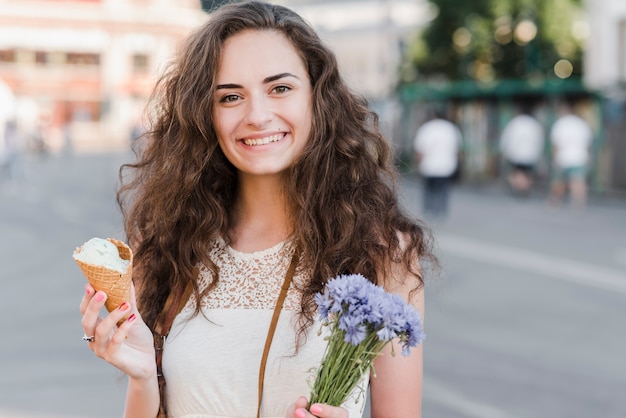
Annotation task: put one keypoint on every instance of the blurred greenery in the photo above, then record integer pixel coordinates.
(490, 40)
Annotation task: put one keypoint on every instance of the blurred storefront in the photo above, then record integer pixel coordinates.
(81, 70)
(482, 109)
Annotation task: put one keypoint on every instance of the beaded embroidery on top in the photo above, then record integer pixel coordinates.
(249, 280)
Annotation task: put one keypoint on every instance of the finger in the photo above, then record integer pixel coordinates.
(300, 405)
(303, 413)
(133, 295)
(121, 335)
(89, 292)
(133, 300)
(327, 411)
(106, 329)
(92, 312)
(129, 358)
(302, 402)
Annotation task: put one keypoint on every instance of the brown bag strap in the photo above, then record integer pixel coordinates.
(172, 308)
(270, 333)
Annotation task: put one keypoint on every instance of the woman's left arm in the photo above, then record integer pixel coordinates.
(396, 389)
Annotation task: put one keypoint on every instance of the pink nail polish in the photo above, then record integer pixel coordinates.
(300, 413)
(131, 318)
(316, 409)
(99, 297)
(87, 290)
(124, 306)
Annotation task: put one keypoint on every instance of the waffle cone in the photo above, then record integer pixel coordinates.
(115, 284)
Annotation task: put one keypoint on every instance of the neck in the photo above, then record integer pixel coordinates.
(261, 217)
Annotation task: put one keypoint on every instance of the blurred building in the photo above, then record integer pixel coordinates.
(80, 70)
(605, 57)
(369, 38)
(605, 72)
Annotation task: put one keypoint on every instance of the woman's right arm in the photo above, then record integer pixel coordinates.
(129, 347)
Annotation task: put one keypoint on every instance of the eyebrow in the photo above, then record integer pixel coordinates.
(265, 81)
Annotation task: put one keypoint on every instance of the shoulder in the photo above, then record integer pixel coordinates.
(399, 277)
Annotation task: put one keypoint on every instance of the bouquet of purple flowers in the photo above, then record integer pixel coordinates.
(363, 318)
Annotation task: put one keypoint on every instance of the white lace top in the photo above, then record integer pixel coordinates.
(211, 361)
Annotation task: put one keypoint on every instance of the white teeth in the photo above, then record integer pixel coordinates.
(263, 141)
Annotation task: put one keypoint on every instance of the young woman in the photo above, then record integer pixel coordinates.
(259, 158)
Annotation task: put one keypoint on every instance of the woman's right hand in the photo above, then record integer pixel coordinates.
(129, 347)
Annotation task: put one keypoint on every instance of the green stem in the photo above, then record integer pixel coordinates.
(343, 367)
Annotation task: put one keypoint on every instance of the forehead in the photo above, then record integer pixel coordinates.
(258, 53)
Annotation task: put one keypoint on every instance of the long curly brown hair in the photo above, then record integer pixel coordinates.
(178, 196)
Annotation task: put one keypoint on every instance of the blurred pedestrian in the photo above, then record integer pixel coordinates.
(571, 138)
(437, 147)
(39, 137)
(68, 140)
(521, 144)
(11, 153)
(260, 171)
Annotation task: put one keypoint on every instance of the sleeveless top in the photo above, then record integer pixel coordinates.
(211, 361)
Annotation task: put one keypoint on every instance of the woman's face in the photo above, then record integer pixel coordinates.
(262, 103)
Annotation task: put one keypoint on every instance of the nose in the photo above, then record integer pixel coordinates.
(258, 111)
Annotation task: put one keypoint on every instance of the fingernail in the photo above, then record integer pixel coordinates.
(300, 413)
(316, 409)
(124, 306)
(87, 290)
(131, 318)
(99, 297)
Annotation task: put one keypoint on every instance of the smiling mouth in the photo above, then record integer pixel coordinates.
(263, 141)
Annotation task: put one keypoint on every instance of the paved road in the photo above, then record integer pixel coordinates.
(527, 318)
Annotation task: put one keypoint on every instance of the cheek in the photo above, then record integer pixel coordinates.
(301, 114)
(307, 124)
(220, 133)
(218, 124)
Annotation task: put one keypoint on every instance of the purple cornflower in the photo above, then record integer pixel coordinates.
(363, 319)
(354, 327)
(358, 306)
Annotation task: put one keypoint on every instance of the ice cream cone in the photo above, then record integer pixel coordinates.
(115, 284)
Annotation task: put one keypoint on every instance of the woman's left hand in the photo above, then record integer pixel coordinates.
(299, 410)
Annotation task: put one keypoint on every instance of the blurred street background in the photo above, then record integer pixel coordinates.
(526, 317)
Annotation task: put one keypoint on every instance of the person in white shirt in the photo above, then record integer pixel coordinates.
(521, 144)
(571, 138)
(437, 145)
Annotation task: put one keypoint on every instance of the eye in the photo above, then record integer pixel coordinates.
(281, 89)
(230, 98)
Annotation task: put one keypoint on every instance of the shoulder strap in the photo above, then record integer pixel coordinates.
(272, 328)
(173, 305)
